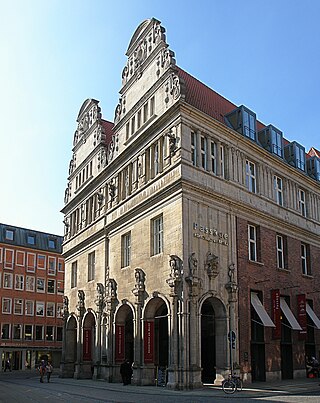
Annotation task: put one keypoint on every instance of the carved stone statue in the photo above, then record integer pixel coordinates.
(140, 278)
(65, 313)
(81, 298)
(100, 302)
(112, 191)
(172, 142)
(212, 265)
(231, 273)
(112, 289)
(193, 264)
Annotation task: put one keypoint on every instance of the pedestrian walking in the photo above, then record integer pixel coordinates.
(7, 365)
(126, 372)
(42, 370)
(49, 369)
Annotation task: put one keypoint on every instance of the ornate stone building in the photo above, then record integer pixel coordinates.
(166, 210)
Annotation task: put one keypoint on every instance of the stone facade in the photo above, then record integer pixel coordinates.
(154, 206)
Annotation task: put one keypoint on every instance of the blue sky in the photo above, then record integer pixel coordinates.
(57, 53)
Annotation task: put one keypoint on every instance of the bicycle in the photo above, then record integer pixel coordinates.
(231, 384)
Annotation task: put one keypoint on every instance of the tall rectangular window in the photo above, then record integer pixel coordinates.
(39, 332)
(39, 308)
(194, 148)
(51, 265)
(213, 157)
(5, 331)
(74, 274)
(17, 331)
(249, 125)
(18, 306)
(251, 176)
(30, 283)
(19, 282)
(280, 252)
(91, 266)
(7, 280)
(305, 262)
(126, 249)
(278, 189)
(222, 173)
(28, 332)
(50, 309)
(6, 305)
(29, 308)
(302, 202)
(203, 152)
(157, 235)
(252, 242)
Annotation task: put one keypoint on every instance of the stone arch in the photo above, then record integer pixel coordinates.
(88, 336)
(124, 332)
(70, 345)
(213, 327)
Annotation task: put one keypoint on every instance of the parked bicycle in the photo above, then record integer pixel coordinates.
(232, 384)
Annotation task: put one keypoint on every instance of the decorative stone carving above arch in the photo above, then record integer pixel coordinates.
(88, 115)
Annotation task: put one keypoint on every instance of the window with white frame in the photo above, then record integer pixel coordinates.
(91, 265)
(17, 332)
(39, 332)
(28, 332)
(213, 157)
(40, 284)
(252, 242)
(20, 258)
(6, 305)
(305, 263)
(222, 173)
(41, 262)
(18, 306)
(302, 202)
(7, 280)
(194, 148)
(251, 176)
(74, 274)
(203, 152)
(30, 283)
(126, 249)
(5, 331)
(280, 252)
(9, 235)
(51, 286)
(60, 287)
(157, 235)
(59, 333)
(39, 308)
(19, 282)
(31, 262)
(60, 265)
(29, 308)
(59, 311)
(51, 266)
(49, 333)
(278, 190)
(8, 258)
(50, 309)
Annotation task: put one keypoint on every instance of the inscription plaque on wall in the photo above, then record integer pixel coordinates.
(210, 234)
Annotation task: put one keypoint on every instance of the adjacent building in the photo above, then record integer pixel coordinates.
(32, 289)
(192, 234)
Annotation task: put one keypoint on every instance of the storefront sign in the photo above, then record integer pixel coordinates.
(148, 341)
(87, 334)
(210, 234)
(276, 310)
(119, 356)
(302, 316)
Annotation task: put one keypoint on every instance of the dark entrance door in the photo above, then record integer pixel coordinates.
(258, 370)
(208, 343)
(161, 336)
(286, 361)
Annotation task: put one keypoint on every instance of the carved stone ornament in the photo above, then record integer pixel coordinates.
(100, 300)
(172, 143)
(81, 305)
(212, 265)
(67, 193)
(140, 278)
(175, 271)
(111, 149)
(102, 158)
(72, 164)
(193, 265)
(112, 191)
(65, 312)
(173, 87)
(111, 289)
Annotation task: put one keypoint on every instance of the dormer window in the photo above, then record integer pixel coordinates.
(243, 121)
(295, 154)
(313, 167)
(271, 139)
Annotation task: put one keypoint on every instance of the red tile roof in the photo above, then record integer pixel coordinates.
(108, 130)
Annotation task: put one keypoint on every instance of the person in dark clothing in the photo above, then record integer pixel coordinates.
(7, 365)
(42, 370)
(126, 372)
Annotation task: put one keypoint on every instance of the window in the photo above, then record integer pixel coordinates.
(17, 331)
(249, 125)
(41, 264)
(52, 243)
(9, 235)
(243, 121)
(29, 308)
(278, 188)
(50, 309)
(18, 306)
(30, 283)
(203, 152)
(59, 333)
(40, 284)
(152, 106)
(213, 157)
(126, 249)
(251, 176)
(31, 239)
(6, 305)
(8, 258)
(145, 113)
(39, 332)
(39, 308)
(19, 282)
(28, 332)
(280, 252)
(20, 258)
(5, 331)
(222, 173)
(91, 266)
(252, 241)
(31, 262)
(194, 148)
(7, 280)
(51, 286)
(305, 261)
(74, 275)
(139, 119)
(157, 235)
(133, 125)
(49, 333)
(60, 265)
(59, 310)
(60, 287)
(51, 265)
(276, 142)
(302, 202)
(127, 130)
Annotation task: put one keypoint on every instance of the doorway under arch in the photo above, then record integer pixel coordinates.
(124, 334)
